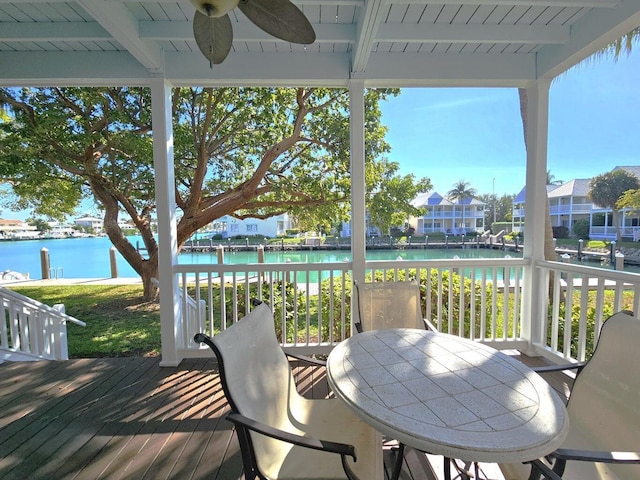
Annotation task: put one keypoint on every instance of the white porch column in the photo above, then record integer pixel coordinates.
(165, 202)
(535, 295)
(358, 186)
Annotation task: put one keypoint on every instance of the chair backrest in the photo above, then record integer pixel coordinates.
(605, 400)
(254, 370)
(383, 305)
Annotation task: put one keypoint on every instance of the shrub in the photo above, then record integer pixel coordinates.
(560, 232)
(581, 229)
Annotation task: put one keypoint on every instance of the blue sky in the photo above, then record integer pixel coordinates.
(452, 134)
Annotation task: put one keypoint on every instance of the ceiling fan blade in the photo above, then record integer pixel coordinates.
(213, 35)
(279, 18)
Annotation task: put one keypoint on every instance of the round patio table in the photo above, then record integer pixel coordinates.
(448, 396)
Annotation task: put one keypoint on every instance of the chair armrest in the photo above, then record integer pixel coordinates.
(429, 325)
(597, 456)
(558, 368)
(342, 449)
(306, 358)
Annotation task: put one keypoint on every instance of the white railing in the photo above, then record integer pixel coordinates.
(474, 311)
(31, 329)
(581, 298)
(575, 208)
(312, 302)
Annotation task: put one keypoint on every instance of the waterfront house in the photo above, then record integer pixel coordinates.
(361, 44)
(94, 224)
(448, 216)
(229, 227)
(570, 202)
(17, 230)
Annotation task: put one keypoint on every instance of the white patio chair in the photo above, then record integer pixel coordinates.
(383, 305)
(283, 435)
(604, 411)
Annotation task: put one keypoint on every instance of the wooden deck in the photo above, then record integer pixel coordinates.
(129, 418)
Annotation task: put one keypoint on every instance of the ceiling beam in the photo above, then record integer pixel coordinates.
(362, 3)
(115, 18)
(367, 30)
(520, 3)
(291, 69)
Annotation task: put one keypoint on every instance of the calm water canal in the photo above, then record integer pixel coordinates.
(89, 257)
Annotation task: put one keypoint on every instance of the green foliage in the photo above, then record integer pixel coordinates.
(389, 206)
(607, 311)
(608, 188)
(245, 152)
(445, 286)
(560, 231)
(40, 224)
(500, 226)
(631, 200)
(503, 207)
(581, 229)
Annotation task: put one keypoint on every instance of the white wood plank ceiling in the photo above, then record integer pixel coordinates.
(384, 43)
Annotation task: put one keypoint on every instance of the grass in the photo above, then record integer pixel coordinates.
(119, 322)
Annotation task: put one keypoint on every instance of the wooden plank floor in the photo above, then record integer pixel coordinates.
(129, 418)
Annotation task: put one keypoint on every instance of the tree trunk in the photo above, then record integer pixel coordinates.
(147, 268)
(615, 219)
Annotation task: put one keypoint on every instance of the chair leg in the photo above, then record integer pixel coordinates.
(447, 468)
(462, 473)
(397, 467)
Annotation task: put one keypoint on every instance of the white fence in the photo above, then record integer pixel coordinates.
(312, 302)
(31, 329)
(580, 299)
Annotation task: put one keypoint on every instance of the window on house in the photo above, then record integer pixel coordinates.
(234, 227)
(252, 227)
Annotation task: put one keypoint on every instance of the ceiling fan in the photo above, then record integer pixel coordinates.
(213, 32)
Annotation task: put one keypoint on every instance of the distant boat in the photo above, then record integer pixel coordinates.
(12, 275)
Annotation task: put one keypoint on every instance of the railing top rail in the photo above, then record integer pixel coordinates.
(259, 267)
(6, 293)
(347, 265)
(448, 262)
(628, 277)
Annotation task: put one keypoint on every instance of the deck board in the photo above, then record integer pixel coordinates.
(129, 418)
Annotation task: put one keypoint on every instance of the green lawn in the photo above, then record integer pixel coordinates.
(119, 322)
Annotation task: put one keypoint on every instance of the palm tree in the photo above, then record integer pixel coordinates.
(551, 179)
(461, 191)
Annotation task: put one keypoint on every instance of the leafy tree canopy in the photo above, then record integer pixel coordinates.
(245, 152)
(607, 188)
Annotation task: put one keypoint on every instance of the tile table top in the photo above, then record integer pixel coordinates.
(447, 395)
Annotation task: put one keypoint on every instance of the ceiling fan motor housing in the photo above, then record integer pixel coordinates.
(215, 8)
